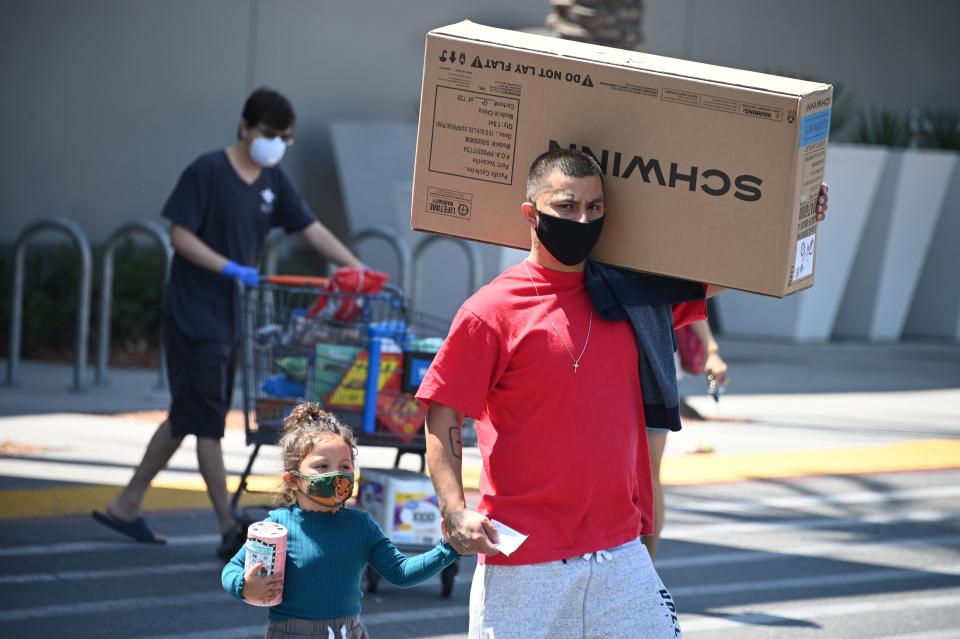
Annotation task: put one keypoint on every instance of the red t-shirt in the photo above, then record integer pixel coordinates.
(564, 453)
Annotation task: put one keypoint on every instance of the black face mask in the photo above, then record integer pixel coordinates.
(568, 241)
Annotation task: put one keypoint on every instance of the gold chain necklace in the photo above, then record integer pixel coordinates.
(576, 362)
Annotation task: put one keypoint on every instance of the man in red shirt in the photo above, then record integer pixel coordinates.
(556, 396)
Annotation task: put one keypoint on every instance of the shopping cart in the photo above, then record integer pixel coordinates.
(359, 355)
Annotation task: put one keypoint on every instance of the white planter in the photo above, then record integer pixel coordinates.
(751, 315)
(853, 173)
(373, 159)
(935, 310)
(921, 189)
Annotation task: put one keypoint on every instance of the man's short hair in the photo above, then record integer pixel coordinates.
(266, 106)
(569, 162)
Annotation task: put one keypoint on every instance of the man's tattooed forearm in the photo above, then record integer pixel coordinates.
(456, 442)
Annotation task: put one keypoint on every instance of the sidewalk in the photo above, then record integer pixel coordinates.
(791, 410)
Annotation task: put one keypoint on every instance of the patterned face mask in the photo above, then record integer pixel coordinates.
(328, 489)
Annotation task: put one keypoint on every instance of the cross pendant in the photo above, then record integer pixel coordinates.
(576, 365)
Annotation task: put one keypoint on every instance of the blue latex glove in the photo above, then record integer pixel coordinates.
(245, 274)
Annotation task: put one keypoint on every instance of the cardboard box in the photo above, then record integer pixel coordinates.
(403, 503)
(711, 174)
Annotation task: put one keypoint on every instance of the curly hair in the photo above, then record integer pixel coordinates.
(306, 425)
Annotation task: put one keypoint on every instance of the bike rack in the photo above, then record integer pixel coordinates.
(159, 233)
(83, 300)
(271, 250)
(474, 259)
(399, 247)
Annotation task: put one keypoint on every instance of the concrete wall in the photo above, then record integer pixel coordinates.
(105, 101)
(883, 52)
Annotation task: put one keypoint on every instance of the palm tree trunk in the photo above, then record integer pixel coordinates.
(612, 23)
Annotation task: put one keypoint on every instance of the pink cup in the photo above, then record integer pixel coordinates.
(266, 544)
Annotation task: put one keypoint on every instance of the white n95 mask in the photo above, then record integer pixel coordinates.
(267, 151)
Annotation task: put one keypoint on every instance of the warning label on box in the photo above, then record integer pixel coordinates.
(717, 103)
(447, 202)
(629, 87)
(760, 111)
(681, 97)
(474, 135)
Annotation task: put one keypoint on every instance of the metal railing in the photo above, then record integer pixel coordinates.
(160, 234)
(271, 250)
(83, 298)
(399, 247)
(474, 260)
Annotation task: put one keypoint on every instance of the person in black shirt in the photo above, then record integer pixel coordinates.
(220, 211)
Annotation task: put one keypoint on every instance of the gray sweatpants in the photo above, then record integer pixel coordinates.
(611, 594)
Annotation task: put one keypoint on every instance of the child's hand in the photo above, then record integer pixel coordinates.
(260, 588)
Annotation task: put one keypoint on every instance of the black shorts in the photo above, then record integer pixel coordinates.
(200, 372)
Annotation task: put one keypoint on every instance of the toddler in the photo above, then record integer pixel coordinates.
(328, 544)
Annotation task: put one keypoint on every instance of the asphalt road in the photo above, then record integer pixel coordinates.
(841, 557)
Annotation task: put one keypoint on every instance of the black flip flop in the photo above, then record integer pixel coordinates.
(135, 529)
(232, 540)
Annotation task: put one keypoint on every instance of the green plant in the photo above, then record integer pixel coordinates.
(882, 127)
(137, 291)
(843, 112)
(51, 282)
(941, 130)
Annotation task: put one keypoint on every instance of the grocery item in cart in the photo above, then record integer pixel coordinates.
(426, 344)
(401, 414)
(403, 503)
(266, 544)
(343, 298)
(280, 385)
(295, 368)
(417, 357)
(331, 362)
(350, 391)
(269, 335)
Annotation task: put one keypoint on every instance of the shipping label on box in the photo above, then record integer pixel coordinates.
(710, 174)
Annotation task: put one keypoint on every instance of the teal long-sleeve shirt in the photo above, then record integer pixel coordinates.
(326, 556)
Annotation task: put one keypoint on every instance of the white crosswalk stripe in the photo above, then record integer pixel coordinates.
(780, 614)
(741, 506)
(111, 573)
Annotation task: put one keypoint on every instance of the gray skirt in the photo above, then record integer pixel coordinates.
(339, 628)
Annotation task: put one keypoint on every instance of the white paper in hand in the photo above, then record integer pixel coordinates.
(510, 539)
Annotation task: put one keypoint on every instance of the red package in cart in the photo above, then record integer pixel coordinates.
(266, 544)
(346, 288)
